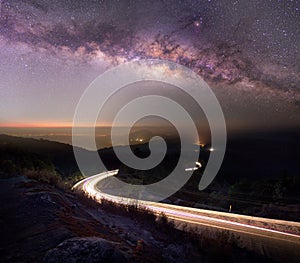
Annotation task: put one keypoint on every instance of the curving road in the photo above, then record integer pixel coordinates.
(278, 237)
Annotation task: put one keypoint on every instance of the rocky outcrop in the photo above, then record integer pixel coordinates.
(80, 250)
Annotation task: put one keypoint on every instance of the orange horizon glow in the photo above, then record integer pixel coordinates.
(61, 124)
(36, 125)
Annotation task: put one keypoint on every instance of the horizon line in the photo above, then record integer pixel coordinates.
(67, 125)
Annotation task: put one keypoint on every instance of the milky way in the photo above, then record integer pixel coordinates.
(233, 44)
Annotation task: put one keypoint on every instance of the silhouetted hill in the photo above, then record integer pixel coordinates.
(27, 153)
(251, 156)
(258, 170)
(262, 155)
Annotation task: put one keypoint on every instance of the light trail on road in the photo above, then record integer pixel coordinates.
(201, 217)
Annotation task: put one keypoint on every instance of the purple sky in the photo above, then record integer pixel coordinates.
(248, 52)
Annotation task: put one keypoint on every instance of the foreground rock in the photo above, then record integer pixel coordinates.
(90, 249)
(41, 223)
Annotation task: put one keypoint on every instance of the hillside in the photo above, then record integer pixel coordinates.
(255, 178)
(42, 223)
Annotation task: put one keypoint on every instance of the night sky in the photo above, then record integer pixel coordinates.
(247, 51)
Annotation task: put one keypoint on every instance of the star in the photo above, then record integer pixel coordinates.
(253, 44)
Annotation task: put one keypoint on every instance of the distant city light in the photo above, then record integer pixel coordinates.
(200, 144)
(198, 164)
(191, 169)
(139, 140)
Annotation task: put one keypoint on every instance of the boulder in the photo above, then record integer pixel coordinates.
(81, 250)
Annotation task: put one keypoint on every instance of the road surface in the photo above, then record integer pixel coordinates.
(277, 238)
